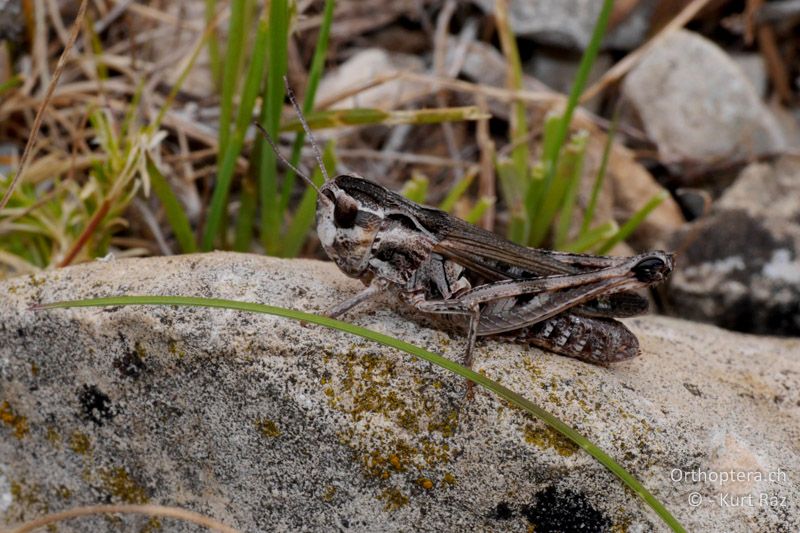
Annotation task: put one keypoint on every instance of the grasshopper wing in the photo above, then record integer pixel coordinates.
(495, 259)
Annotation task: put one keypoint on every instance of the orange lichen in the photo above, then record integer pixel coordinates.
(394, 499)
(549, 438)
(53, 436)
(425, 483)
(80, 443)
(329, 493)
(119, 484)
(268, 428)
(18, 422)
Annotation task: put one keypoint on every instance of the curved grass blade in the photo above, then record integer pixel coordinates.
(436, 359)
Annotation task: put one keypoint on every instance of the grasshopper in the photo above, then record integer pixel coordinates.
(473, 280)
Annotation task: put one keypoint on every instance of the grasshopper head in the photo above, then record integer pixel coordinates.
(347, 223)
(348, 217)
(654, 268)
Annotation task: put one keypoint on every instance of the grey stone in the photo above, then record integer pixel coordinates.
(369, 64)
(697, 105)
(558, 72)
(11, 26)
(570, 23)
(271, 426)
(753, 66)
(741, 268)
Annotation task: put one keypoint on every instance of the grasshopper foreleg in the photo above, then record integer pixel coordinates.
(375, 288)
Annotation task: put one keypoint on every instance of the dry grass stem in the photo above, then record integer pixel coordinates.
(37, 123)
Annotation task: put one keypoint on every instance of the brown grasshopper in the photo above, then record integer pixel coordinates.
(475, 280)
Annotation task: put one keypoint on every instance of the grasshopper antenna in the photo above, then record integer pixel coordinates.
(283, 159)
(310, 135)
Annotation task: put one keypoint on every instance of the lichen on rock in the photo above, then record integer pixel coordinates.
(267, 424)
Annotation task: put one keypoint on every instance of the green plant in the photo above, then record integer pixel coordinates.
(541, 198)
(76, 220)
(416, 190)
(69, 206)
(281, 229)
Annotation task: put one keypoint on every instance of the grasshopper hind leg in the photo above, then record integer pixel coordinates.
(591, 339)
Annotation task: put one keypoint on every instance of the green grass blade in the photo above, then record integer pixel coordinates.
(588, 215)
(314, 75)
(592, 237)
(416, 188)
(173, 209)
(585, 67)
(588, 59)
(633, 223)
(245, 218)
(219, 198)
(553, 200)
(512, 190)
(105, 136)
(520, 154)
(213, 45)
(97, 50)
(270, 119)
(133, 110)
(362, 116)
(458, 190)
(11, 83)
(479, 209)
(231, 71)
(541, 179)
(575, 156)
(433, 358)
(307, 210)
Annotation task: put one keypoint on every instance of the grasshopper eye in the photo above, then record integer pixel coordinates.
(649, 270)
(345, 211)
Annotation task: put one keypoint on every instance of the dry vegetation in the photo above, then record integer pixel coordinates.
(122, 151)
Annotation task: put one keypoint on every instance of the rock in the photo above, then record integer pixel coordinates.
(11, 17)
(629, 184)
(486, 65)
(741, 269)
(557, 71)
(628, 187)
(754, 68)
(269, 425)
(697, 105)
(569, 23)
(367, 65)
